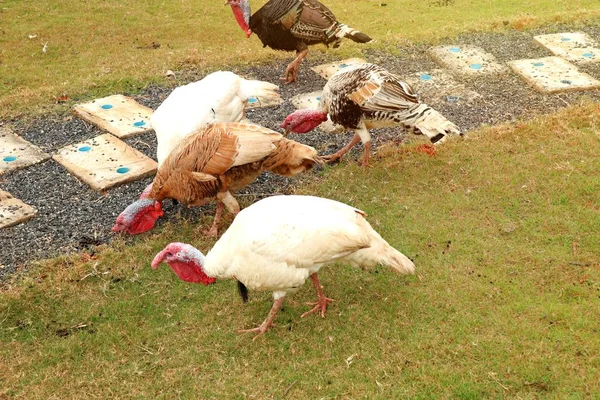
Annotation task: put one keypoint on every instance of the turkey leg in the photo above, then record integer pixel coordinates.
(291, 72)
(223, 199)
(339, 154)
(267, 323)
(213, 229)
(322, 303)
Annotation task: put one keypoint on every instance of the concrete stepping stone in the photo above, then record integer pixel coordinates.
(13, 211)
(574, 46)
(439, 85)
(553, 74)
(466, 60)
(16, 152)
(120, 115)
(311, 100)
(328, 70)
(105, 161)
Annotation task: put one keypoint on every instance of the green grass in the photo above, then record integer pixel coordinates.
(503, 228)
(101, 48)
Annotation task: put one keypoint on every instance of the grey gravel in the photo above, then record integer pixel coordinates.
(72, 217)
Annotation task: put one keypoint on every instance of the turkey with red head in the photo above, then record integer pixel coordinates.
(213, 162)
(366, 96)
(293, 25)
(279, 242)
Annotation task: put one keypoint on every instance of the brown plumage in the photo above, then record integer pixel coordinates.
(222, 158)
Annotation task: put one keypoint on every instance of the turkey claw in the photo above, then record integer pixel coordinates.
(212, 232)
(319, 305)
(332, 158)
(261, 329)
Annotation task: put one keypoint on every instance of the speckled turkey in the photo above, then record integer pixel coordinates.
(293, 25)
(366, 96)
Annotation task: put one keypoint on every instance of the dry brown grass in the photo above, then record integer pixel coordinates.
(101, 48)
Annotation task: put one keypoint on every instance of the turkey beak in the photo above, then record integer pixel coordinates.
(285, 132)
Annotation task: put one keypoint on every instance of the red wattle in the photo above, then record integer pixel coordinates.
(190, 272)
(239, 17)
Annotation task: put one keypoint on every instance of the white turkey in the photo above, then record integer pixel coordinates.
(219, 97)
(277, 243)
(366, 96)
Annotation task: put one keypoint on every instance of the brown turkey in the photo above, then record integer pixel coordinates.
(293, 25)
(213, 162)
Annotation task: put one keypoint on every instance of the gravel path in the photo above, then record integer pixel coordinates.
(72, 217)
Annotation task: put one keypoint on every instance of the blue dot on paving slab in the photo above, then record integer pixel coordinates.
(538, 64)
(452, 99)
(139, 123)
(343, 65)
(565, 39)
(9, 158)
(85, 149)
(475, 66)
(566, 81)
(454, 49)
(588, 55)
(106, 106)
(319, 98)
(426, 77)
(122, 170)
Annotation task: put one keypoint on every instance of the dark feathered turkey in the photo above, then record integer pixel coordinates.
(293, 25)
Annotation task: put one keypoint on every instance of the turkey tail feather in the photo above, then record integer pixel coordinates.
(260, 89)
(357, 36)
(429, 122)
(380, 252)
(291, 158)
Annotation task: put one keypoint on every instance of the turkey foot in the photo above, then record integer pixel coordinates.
(213, 231)
(291, 72)
(322, 303)
(365, 161)
(267, 323)
(339, 154)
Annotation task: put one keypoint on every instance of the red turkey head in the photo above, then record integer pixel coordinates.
(186, 261)
(241, 12)
(303, 121)
(138, 217)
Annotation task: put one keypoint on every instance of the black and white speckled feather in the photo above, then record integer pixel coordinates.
(369, 94)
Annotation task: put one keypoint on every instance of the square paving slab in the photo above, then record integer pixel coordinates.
(13, 211)
(574, 46)
(466, 60)
(120, 115)
(438, 85)
(16, 152)
(553, 74)
(105, 161)
(311, 100)
(328, 70)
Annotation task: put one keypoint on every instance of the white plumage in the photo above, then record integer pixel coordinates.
(279, 242)
(219, 97)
